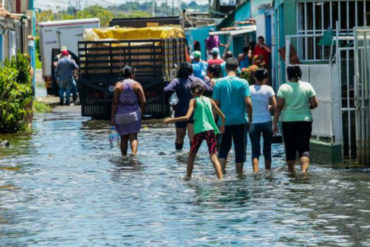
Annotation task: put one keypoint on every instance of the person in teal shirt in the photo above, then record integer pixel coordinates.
(205, 127)
(295, 100)
(232, 95)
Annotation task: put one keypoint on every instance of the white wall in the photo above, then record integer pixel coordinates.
(327, 120)
(261, 25)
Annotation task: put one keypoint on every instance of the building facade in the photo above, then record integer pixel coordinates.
(319, 35)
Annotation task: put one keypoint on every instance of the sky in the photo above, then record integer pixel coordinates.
(64, 3)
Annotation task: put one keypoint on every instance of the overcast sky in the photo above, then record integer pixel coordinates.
(64, 3)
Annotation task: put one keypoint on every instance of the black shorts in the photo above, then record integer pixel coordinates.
(183, 125)
(297, 139)
(236, 133)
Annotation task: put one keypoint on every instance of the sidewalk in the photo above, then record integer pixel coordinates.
(40, 91)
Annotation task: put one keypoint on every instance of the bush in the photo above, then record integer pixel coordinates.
(15, 93)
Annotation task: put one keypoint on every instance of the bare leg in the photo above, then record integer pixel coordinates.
(180, 135)
(239, 167)
(190, 166)
(291, 164)
(124, 140)
(190, 132)
(305, 163)
(255, 164)
(267, 164)
(134, 143)
(223, 165)
(216, 165)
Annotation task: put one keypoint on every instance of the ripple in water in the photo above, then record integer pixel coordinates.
(63, 186)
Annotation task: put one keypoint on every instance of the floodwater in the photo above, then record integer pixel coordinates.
(62, 185)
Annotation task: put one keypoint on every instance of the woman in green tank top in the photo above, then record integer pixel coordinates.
(205, 127)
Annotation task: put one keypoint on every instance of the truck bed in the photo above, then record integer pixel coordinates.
(101, 63)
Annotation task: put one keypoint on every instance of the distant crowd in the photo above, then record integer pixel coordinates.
(214, 104)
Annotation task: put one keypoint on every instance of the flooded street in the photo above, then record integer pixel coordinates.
(62, 185)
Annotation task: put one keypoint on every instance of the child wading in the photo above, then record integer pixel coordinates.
(204, 127)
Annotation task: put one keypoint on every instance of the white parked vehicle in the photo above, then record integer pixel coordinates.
(56, 34)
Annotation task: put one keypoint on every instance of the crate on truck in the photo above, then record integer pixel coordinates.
(155, 53)
(54, 35)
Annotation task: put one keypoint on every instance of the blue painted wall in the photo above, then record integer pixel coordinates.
(243, 12)
(200, 34)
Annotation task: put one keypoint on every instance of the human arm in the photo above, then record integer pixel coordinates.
(272, 103)
(313, 102)
(279, 107)
(248, 106)
(171, 87)
(141, 96)
(183, 118)
(114, 103)
(266, 48)
(220, 113)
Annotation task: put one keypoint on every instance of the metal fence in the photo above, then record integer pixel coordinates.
(332, 75)
(362, 93)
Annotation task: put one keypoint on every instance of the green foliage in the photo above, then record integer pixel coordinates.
(96, 11)
(15, 93)
(130, 9)
(40, 107)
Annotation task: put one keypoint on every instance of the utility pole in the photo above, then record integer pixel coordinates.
(173, 8)
(153, 8)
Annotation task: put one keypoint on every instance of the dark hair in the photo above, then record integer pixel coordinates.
(185, 70)
(197, 87)
(261, 74)
(246, 49)
(215, 69)
(252, 45)
(232, 64)
(196, 45)
(261, 37)
(127, 71)
(228, 54)
(294, 72)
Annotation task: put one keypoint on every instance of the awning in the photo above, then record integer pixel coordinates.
(236, 31)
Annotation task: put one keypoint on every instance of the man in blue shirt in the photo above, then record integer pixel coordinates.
(232, 95)
(64, 72)
(199, 67)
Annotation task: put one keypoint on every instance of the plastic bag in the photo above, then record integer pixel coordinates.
(174, 99)
(113, 137)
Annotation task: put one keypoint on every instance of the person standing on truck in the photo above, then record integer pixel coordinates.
(127, 108)
(182, 87)
(64, 72)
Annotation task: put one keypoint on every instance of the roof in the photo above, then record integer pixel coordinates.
(235, 31)
(7, 14)
(229, 19)
(71, 22)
